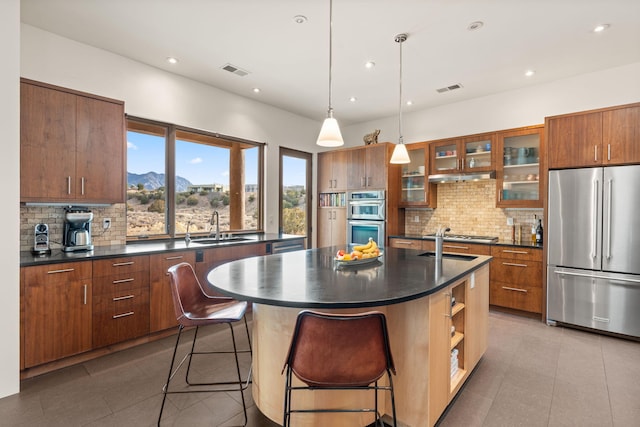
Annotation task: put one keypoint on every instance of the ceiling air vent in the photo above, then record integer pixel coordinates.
(235, 70)
(449, 88)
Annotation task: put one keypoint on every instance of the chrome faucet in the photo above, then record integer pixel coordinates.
(215, 218)
(187, 236)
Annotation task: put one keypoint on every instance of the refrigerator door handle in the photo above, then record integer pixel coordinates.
(596, 276)
(609, 203)
(594, 243)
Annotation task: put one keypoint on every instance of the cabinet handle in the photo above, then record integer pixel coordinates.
(595, 153)
(334, 214)
(66, 270)
(123, 315)
(608, 151)
(456, 247)
(362, 181)
(120, 264)
(82, 185)
(450, 315)
(509, 251)
(84, 297)
(500, 195)
(68, 185)
(330, 216)
(368, 181)
(173, 257)
(115, 282)
(507, 288)
(123, 298)
(403, 242)
(512, 264)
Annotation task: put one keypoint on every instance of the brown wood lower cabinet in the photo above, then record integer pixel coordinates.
(162, 314)
(120, 299)
(516, 278)
(398, 242)
(57, 311)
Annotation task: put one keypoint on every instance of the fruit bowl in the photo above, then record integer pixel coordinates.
(351, 262)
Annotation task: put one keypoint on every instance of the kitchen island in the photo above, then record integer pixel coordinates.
(432, 309)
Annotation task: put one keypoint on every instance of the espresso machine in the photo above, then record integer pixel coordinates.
(77, 229)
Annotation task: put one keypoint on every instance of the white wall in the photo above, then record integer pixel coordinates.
(524, 107)
(156, 94)
(10, 214)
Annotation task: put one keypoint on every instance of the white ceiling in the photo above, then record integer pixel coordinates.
(289, 62)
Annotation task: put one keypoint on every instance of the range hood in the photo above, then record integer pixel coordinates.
(456, 177)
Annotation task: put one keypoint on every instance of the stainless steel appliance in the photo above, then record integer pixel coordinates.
(41, 240)
(77, 229)
(593, 272)
(366, 216)
(469, 238)
(368, 204)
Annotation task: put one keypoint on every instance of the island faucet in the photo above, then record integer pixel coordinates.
(215, 218)
(187, 236)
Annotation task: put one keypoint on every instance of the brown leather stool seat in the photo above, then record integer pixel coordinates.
(195, 308)
(339, 352)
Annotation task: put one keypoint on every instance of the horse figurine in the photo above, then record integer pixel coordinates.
(371, 138)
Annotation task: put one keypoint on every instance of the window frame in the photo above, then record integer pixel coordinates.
(172, 133)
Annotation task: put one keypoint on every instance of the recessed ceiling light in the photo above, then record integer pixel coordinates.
(600, 28)
(353, 99)
(409, 102)
(529, 73)
(476, 25)
(172, 60)
(369, 64)
(300, 19)
(256, 90)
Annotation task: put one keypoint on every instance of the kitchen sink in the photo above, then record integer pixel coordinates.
(213, 240)
(459, 257)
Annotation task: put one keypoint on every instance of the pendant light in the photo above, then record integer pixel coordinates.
(330, 135)
(400, 154)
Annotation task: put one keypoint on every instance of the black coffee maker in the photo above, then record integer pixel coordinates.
(77, 229)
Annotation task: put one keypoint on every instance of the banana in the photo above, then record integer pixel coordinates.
(363, 248)
(372, 248)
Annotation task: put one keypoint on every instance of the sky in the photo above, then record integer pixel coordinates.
(200, 164)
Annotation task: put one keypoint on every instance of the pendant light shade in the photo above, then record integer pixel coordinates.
(330, 135)
(400, 154)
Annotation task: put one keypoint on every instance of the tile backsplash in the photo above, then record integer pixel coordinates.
(53, 216)
(470, 208)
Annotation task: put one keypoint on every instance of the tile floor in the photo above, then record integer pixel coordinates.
(531, 375)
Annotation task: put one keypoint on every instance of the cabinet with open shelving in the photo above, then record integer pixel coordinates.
(519, 167)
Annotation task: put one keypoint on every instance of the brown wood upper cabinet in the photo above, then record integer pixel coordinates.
(71, 146)
(415, 189)
(367, 167)
(593, 138)
(332, 171)
(473, 153)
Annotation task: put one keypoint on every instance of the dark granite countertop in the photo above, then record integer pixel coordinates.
(523, 244)
(312, 279)
(142, 248)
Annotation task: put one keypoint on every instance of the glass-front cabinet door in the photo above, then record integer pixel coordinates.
(519, 178)
(444, 157)
(415, 188)
(478, 153)
(467, 154)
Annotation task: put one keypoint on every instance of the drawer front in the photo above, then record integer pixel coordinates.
(57, 273)
(517, 273)
(113, 266)
(517, 297)
(405, 243)
(120, 283)
(159, 264)
(517, 253)
(466, 248)
(120, 318)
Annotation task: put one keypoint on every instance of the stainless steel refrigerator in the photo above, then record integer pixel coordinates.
(593, 240)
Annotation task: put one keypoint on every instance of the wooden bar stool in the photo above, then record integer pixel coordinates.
(194, 308)
(339, 352)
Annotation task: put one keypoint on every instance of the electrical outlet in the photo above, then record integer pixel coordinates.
(106, 223)
(510, 220)
(416, 218)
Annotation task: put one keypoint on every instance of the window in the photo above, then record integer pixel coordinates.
(178, 177)
(295, 196)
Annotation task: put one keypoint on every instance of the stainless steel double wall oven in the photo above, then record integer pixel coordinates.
(366, 216)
